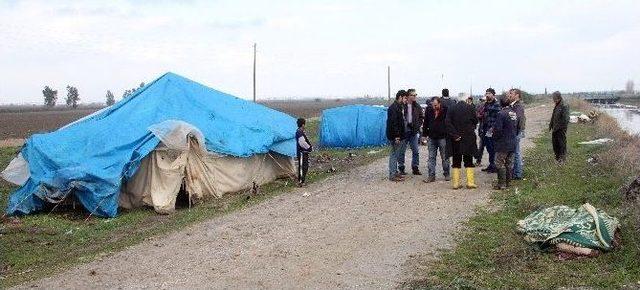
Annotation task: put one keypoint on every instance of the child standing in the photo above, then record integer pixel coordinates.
(303, 147)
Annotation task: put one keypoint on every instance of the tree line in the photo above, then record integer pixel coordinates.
(73, 96)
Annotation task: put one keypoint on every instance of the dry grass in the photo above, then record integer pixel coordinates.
(622, 155)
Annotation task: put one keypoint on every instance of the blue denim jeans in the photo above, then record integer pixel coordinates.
(480, 147)
(436, 145)
(413, 142)
(394, 155)
(489, 145)
(517, 157)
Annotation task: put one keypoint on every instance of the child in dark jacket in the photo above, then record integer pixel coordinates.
(303, 147)
(505, 131)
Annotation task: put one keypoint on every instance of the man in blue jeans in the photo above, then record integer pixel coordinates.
(490, 112)
(413, 120)
(396, 134)
(514, 95)
(434, 128)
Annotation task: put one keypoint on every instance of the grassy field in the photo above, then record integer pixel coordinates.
(491, 254)
(43, 244)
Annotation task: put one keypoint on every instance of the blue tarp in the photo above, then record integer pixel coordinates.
(353, 126)
(92, 157)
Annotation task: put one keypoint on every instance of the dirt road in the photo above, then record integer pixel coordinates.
(353, 230)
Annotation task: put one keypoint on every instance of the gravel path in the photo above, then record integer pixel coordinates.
(353, 230)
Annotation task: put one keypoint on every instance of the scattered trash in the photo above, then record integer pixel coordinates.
(68, 232)
(596, 142)
(306, 194)
(373, 152)
(573, 119)
(331, 169)
(592, 161)
(351, 154)
(573, 232)
(584, 118)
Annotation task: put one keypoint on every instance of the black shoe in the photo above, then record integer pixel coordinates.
(430, 179)
(490, 170)
(416, 171)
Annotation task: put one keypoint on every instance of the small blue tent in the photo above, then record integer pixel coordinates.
(353, 126)
(92, 157)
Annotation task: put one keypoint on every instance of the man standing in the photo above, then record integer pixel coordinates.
(504, 135)
(490, 112)
(558, 127)
(461, 124)
(302, 151)
(517, 107)
(480, 115)
(413, 117)
(396, 134)
(447, 102)
(435, 129)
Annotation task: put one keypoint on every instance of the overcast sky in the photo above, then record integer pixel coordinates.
(317, 48)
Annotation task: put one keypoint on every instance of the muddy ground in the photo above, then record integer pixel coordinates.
(352, 230)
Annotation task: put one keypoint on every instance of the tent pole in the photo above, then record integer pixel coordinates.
(254, 72)
(389, 83)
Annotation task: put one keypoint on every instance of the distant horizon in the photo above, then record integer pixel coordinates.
(317, 49)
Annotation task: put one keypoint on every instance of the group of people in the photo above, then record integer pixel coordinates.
(452, 129)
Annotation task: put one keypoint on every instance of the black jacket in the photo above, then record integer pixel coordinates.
(461, 122)
(435, 128)
(505, 130)
(417, 115)
(395, 121)
(560, 117)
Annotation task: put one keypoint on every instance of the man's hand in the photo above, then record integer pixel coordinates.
(397, 140)
(458, 139)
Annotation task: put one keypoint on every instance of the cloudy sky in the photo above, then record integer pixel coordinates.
(317, 48)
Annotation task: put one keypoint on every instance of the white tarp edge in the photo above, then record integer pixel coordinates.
(17, 172)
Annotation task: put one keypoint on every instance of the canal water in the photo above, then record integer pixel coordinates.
(628, 117)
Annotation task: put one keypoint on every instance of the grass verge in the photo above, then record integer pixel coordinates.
(491, 254)
(39, 245)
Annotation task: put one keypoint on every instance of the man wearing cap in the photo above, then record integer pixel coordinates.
(490, 112)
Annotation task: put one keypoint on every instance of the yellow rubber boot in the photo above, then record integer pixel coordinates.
(455, 178)
(471, 182)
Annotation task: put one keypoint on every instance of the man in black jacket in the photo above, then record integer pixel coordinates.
(558, 127)
(413, 117)
(435, 129)
(505, 131)
(396, 134)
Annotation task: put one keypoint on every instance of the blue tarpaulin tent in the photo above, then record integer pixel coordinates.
(353, 126)
(93, 156)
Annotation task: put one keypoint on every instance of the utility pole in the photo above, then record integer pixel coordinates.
(389, 83)
(254, 72)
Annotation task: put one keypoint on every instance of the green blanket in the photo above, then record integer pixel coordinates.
(581, 227)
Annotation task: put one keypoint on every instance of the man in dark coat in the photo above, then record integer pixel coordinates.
(480, 114)
(504, 134)
(490, 112)
(435, 129)
(461, 121)
(413, 117)
(558, 127)
(396, 134)
(446, 100)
